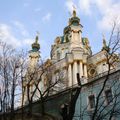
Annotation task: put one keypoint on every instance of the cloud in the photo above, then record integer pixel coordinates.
(69, 4)
(21, 28)
(108, 10)
(7, 36)
(47, 17)
(85, 5)
(110, 14)
(28, 41)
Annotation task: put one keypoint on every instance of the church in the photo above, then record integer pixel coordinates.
(70, 55)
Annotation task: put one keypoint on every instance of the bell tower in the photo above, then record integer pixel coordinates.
(34, 54)
(76, 30)
(77, 57)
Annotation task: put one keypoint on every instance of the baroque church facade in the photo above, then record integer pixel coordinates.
(71, 54)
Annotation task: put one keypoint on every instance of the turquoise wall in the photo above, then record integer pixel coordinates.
(82, 111)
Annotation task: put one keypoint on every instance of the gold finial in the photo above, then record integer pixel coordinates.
(74, 11)
(105, 47)
(37, 37)
(104, 41)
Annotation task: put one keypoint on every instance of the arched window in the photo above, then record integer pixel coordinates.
(108, 96)
(58, 55)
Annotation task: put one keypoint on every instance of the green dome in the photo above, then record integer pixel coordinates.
(36, 45)
(66, 29)
(105, 47)
(74, 20)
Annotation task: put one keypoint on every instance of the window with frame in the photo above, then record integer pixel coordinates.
(58, 55)
(91, 99)
(113, 118)
(108, 96)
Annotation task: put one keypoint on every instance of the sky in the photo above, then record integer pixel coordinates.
(20, 19)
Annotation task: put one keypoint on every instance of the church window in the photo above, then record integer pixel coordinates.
(91, 99)
(108, 96)
(113, 118)
(58, 55)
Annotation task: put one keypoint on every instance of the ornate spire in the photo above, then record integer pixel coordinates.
(105, 47)
(36, 45)
(74, 20)
(74, 11)
(104, 42)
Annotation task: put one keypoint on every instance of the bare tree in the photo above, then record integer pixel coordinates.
(111, 59)
(110, 110)
(11, 63)
(40, 80)
(68, 109)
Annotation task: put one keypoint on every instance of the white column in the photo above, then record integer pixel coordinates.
(62, 53)
(72, 36)
(81, 69)
(69, 75)
(85, 72)
(75, 72)
(72, 40)
(80, 37)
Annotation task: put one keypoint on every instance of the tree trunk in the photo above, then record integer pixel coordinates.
(42, 106)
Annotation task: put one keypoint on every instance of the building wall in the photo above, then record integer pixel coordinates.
(83, 110)
(70, 54)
